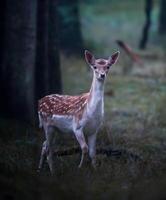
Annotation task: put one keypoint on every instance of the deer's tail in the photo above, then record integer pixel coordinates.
(40, 121)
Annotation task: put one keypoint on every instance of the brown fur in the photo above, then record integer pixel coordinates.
(63, 105)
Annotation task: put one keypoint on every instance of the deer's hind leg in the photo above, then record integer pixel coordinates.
(42, 156)
(50, 141)
(48, 148)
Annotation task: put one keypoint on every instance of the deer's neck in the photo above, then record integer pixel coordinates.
(96, 95)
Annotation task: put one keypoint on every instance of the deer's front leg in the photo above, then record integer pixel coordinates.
(92, 148)
(84, 147)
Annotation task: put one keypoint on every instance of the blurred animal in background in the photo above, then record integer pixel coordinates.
(130, 52)
(140, 62)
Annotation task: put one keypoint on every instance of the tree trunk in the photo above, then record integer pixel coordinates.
(145, 33)
(48, 75)
(162, 17)
(19, 58)
(71, 42)
(2, 42)
(41, 73)
(54, 64)
(29, 59)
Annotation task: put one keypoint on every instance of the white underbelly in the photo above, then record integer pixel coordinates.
(90, 124)
(63, 123)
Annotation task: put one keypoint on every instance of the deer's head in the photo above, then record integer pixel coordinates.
(101, 67)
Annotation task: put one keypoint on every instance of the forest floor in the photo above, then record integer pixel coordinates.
(134, 122)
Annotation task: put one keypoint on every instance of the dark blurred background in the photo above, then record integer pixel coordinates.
(42, 45)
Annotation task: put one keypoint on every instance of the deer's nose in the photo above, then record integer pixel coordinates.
(102, 75)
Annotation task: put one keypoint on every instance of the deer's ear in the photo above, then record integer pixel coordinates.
(114, 58)
(89, 57)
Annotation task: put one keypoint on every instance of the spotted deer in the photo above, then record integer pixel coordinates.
(78, 115)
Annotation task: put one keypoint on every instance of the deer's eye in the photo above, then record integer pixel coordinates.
(94, 67)
(108, 67)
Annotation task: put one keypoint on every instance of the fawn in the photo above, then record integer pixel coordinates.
(76, 114)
